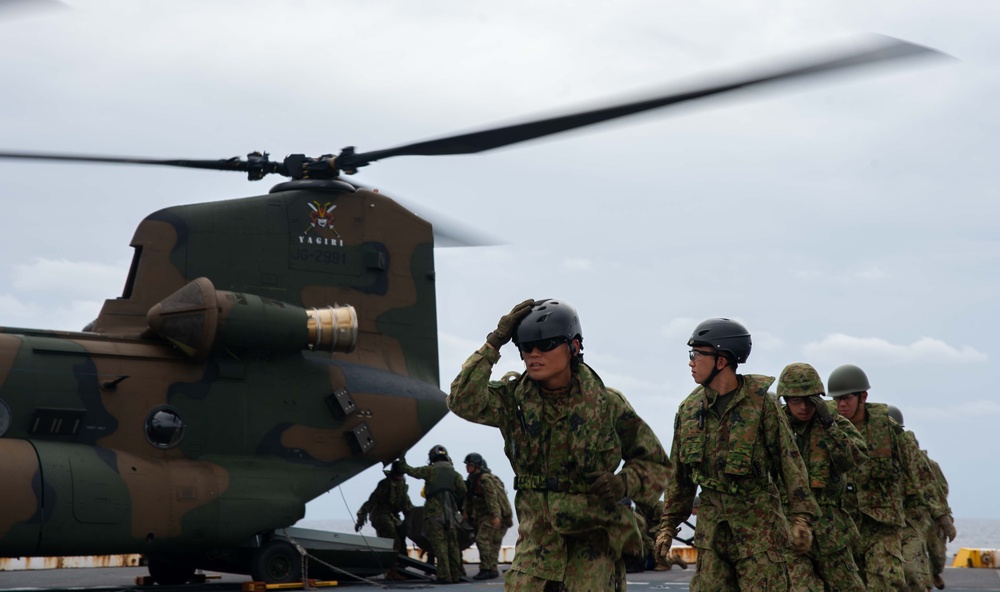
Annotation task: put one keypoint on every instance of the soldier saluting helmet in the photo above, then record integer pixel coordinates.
(830, 447)
(565, 433)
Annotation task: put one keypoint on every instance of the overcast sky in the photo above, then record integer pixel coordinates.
(851, 220)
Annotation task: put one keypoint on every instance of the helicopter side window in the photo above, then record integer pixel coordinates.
(130, 281)
(164, 427)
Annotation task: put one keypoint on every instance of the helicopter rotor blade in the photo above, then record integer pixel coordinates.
(256, 165)
(298, 166)
(222, 164)
(448, 232)
(890, 49)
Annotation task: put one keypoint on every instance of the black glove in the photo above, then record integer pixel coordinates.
(822, 411)
(507, 324)
(607, 486)
(362, 518)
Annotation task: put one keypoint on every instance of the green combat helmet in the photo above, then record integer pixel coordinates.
(847, 379)
(896, 414)
(799, 380)
(475, 459)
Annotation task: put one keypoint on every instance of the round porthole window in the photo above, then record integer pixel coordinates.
(4, 418)
(164, 428)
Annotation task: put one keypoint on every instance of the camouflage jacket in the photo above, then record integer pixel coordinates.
(878, 488)
(390, 497)
(553, 442)
(732, 457)
(444, 488)
(938, 474)
(829, 454)
(926, 491)
(939, 480)
(487, 498)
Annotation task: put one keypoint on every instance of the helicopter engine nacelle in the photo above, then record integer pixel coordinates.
(199, 319)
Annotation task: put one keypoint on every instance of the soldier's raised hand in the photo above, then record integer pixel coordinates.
(822, 411)
(507, 323)
(362, 518)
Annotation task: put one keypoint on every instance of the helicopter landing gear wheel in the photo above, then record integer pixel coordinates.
(277, 562)
(170, 571)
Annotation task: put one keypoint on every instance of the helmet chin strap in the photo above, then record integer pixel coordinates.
(715, 372)
(711, 377)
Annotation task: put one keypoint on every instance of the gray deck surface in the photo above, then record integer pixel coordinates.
(123, 578)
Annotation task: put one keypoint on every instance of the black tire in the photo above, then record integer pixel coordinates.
(169, 571)
(277, 562)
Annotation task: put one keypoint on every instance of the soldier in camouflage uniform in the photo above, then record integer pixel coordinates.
(391, 496)
(831, 447)
(877, 489)
(916, 562)
(564, 433)
(445, 490)
(728, 437)
(937, 536)
(488, 510)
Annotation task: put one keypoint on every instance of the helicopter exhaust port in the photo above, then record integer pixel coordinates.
(333, 328)
(198, 319)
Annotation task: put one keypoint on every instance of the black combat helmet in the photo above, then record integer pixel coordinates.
(437, 453)
(475, 459)
(550, 318)
(724, 336)
(847, 379)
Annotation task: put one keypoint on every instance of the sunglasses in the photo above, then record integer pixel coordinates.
(697, 352)
(543, 345)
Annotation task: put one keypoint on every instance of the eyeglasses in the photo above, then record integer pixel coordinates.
(846, 397)
(543, 345)
(692, 354)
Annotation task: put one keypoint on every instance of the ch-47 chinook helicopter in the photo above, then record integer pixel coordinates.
(263, 351)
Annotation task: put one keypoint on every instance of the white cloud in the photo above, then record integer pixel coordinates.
(81, 278)
(14, 309)
(979, 409)
(627, 383)
(577, 264)
(874, 350)
(871, 273)
(679, 328)
(71, 316)
(766, 341)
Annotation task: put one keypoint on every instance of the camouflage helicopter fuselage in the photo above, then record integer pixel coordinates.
(230, 384)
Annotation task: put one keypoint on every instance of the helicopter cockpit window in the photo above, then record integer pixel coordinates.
(164, 428)
(4, 418)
